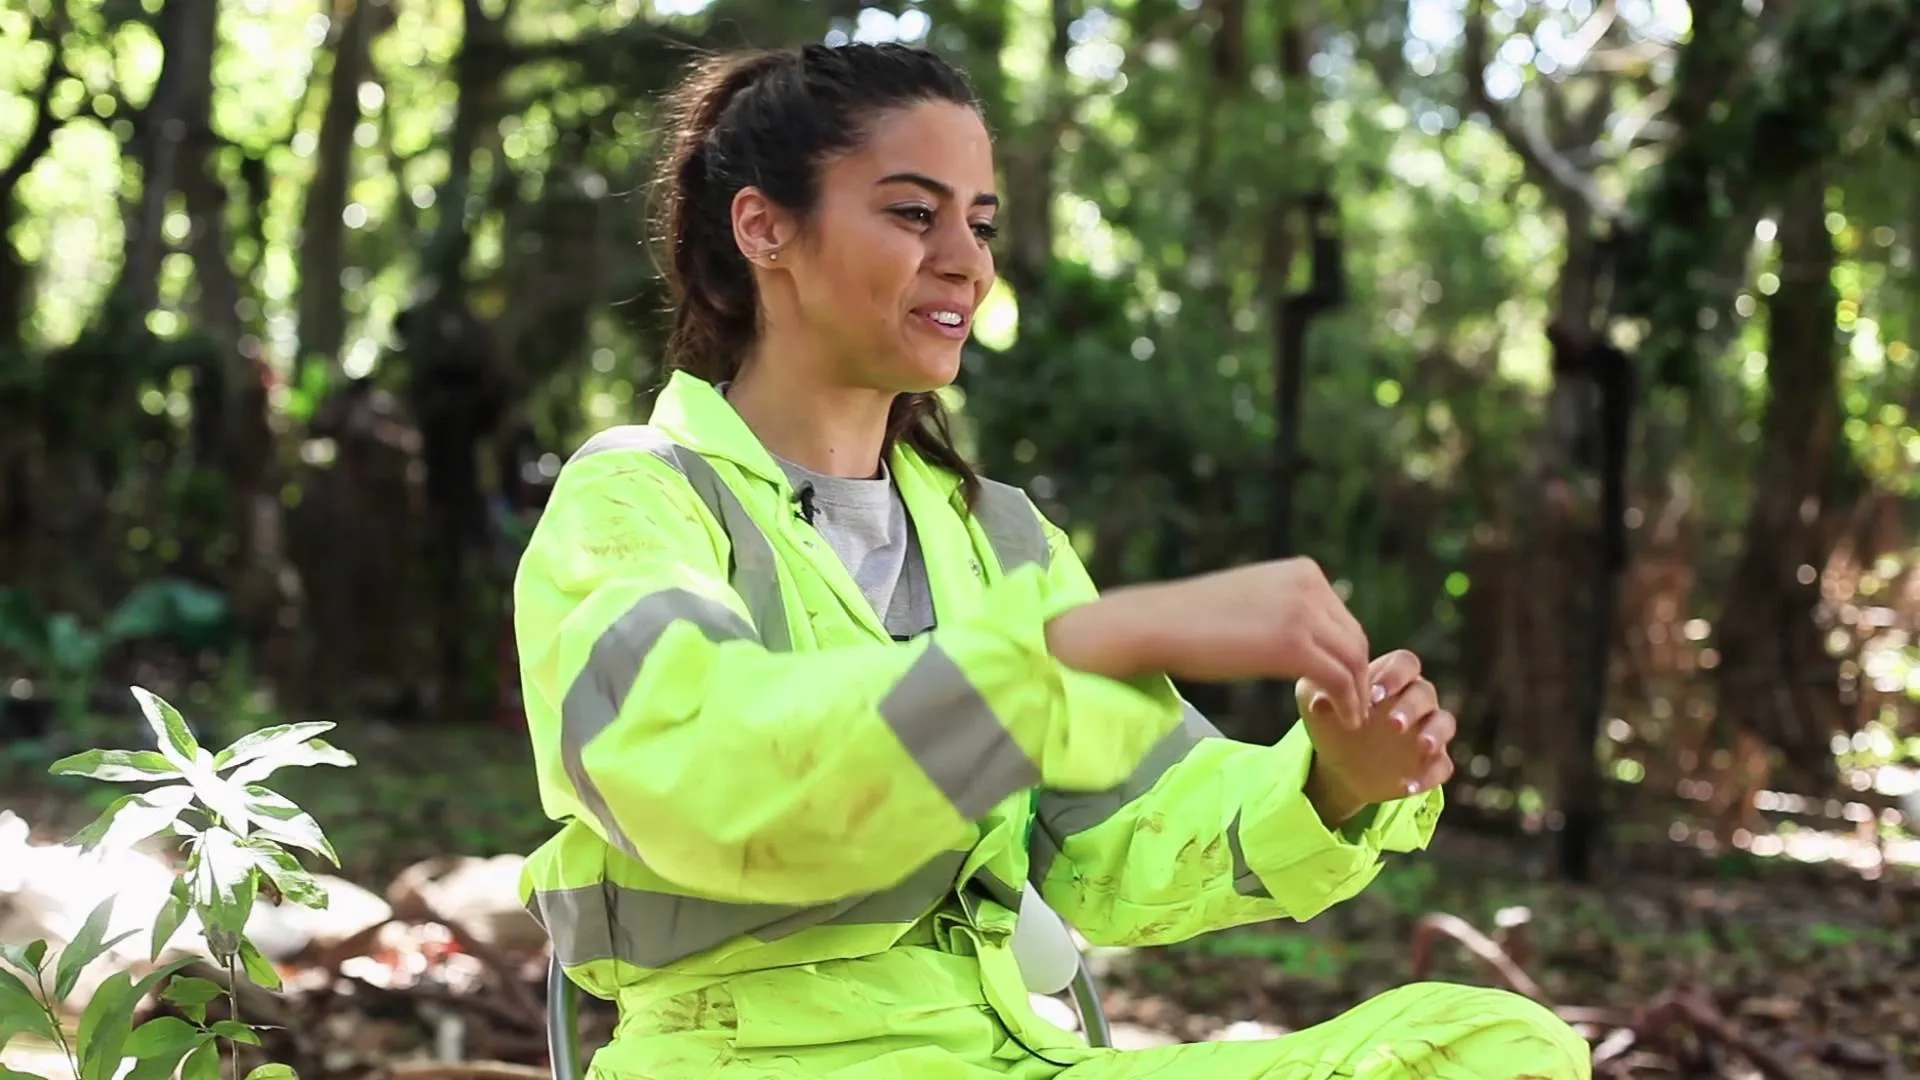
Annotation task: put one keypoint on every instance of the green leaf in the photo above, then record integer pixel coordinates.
(169, 608)
(223, 888)
(25, 957)
(167, 921)
(277, 818)
(236, 1031)
(223, 797)
(259, 969)
(122, 766)
(273, 1070)
(84, 949)
(158, 975)
(191, 994)
(202, 1064)
(71, 647)
(317, 752)
(132, 818)
(169, 727)
(161, 1066)
(268, 741)
(11, 988)
(286, 873)
(21, 1010)
(104, 1026)
(161, 1035)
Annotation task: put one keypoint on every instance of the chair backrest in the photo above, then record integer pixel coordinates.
(563, 1017)
(1086, 1001)
(563, 1023)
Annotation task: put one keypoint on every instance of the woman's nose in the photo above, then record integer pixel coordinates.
(958, 255)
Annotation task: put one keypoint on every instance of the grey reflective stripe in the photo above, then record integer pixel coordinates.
(1012, 525)
(1062, 814)
(990, 883)
(597, 694)
(1245, 881)
(648, 440)
(755, 574)
(654, 929)
(955, 736)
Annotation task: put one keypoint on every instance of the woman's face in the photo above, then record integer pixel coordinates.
(888, 272)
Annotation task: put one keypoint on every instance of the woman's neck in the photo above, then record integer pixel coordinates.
(833, 430)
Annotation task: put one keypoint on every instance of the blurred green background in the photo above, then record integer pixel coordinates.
(1575, 338)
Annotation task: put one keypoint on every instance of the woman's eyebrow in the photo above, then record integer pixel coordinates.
(929, 184)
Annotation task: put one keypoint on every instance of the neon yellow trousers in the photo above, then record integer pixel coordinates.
(927, 1014)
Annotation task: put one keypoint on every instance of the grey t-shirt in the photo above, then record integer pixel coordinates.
(866, 524)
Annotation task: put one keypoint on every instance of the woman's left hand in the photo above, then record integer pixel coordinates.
(1399, 748)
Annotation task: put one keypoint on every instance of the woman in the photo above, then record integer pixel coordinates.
(836, 726)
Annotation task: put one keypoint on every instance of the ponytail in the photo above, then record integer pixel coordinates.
(712, 289)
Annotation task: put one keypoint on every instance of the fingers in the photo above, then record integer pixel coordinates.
(1436, 764)
(1410, 706)
(1435, 733)
(1393, 672)
(1331, 672)
(1343, 637)
(1332, 640)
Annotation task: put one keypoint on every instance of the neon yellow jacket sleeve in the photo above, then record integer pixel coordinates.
(1207, 833)
(751, 775)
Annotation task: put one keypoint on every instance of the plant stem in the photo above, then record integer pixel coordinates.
(233, 999)
(53, 1015)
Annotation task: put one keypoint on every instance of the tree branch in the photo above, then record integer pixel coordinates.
(1545, 165)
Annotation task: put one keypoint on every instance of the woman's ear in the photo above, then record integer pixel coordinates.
(761, 227)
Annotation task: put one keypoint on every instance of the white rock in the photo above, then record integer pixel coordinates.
(48, 890)
(1246, 1031)
(1055, 1012)
(1135, 1037)
(482, 895)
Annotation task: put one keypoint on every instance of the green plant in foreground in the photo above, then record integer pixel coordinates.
(237, 833)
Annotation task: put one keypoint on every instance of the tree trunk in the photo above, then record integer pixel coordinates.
(322, 321)
(1776, 680)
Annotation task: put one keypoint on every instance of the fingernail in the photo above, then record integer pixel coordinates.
(1319, 699)
(1379, 693)
(1413, 787)
(1427, 745)
(1399, 720)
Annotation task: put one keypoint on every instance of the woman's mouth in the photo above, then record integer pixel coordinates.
(950, 323)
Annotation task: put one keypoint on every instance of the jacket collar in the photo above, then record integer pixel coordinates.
(693, 413)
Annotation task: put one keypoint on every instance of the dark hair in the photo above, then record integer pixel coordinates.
(770, 120)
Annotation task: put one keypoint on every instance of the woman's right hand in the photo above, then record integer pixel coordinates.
(1270, 620)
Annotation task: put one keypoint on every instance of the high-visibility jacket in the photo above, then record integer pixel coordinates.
(753, 775)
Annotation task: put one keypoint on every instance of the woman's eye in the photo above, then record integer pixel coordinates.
(919, 215)
(986, 230)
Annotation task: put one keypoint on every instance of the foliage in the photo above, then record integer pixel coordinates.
(397, 274)
(61, 649)
(1792, 112)
(237, 833)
